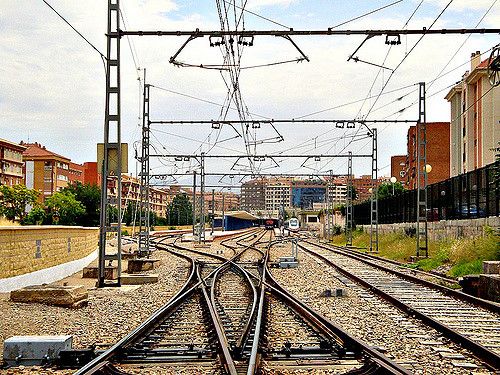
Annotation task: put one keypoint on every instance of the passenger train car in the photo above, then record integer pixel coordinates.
(292, 224)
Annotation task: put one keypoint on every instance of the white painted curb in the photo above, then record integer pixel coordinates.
(47, 275)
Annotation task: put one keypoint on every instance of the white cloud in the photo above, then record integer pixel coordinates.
(52, 83)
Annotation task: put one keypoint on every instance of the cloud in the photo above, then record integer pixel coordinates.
(52, 83)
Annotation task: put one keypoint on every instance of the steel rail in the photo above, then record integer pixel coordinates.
(342, 336)
(435, 275)
(101, 363)
(489, 357)
(292, 32)
(227, 358)
(96, 364)
(488, 305)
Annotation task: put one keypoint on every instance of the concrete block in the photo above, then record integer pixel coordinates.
(139, 279)
(142, 264)
(66, 296)
(491, 267)
(110, 272)
(34, 350)
(489, 287)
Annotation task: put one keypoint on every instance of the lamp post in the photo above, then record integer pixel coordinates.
(393, 181)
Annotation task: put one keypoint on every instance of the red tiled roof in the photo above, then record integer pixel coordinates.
(483, 64)
(37, 150)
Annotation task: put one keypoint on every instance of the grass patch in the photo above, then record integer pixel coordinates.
(467, 268)
(463, 256)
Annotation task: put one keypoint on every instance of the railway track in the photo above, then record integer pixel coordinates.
(229, 315)
(469, 322)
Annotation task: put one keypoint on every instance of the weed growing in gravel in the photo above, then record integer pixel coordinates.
(456, 257)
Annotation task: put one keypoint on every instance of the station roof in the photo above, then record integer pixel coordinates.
(244, 215)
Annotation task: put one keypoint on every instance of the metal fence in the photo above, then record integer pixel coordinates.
(471, 195)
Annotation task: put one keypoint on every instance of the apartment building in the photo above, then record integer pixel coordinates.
(159, 199)
(277, 194)
(438, 153)
(363, 184)
(45, 170)
(253, 195)
(398, 168)
(475, 119)
(11, 163)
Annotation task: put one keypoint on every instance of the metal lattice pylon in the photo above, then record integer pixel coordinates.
(201, 228)
(374, 196)
(421, 133)
(111, 169)
(145, 207)
(348, 206)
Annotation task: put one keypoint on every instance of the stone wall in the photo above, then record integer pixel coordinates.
(444, 229)
(27, 249)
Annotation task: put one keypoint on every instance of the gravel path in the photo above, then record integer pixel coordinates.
(110, 314)
(368, 317)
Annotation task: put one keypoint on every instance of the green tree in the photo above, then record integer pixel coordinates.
(14, 199)
(90, 196)
(385, 189)
(35, 217)
(128, 215)
(180, 210)
(64, 209)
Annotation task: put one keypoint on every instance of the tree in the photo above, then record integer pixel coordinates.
(180, 210)
(14, 199)
(385, 189)
(90, 196)
(64, 208)
(35, 217)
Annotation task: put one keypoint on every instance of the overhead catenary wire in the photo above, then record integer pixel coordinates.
(103, 57)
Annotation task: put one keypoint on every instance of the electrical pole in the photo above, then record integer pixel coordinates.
(348, 206)
(144, 219)
(421, 134)
(223, 210)
(213, 212)
(201, 235)
(194, 203)
(374, 196)
(111, 171)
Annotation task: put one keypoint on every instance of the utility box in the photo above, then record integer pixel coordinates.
(34, 350)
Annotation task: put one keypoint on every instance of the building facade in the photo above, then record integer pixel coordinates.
(159, 199)
(44, 170)
(438, 153)
(475, 119)
(11, 163)
(277, 194)
(253, 195)
(398, 168)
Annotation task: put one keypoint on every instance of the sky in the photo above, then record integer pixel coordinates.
(52, 83)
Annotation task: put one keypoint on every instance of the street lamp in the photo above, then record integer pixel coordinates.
(393, 181)
(428, 168)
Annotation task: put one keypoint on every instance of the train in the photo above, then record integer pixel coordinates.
(269, 224)
(292, 224)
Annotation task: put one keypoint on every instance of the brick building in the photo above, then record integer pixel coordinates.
(363, 184)
(159, 199)
(438, 153)
(398, 168)
(11, 163)
(45, 170)
(475, 119)
(48, 172)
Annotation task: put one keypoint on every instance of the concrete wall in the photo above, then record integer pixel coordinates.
(451, 229)
(32, 248)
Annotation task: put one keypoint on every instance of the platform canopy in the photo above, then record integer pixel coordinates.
(243, 215)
